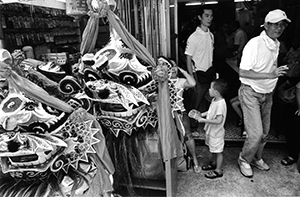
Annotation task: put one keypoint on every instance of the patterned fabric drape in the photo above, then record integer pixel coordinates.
(147, 21)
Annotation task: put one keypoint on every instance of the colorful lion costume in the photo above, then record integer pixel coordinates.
(47, 147)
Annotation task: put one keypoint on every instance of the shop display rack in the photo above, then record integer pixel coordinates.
(45, 29)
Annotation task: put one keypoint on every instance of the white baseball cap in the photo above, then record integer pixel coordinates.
(275, 16)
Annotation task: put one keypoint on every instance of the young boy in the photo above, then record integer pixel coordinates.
(214, 127)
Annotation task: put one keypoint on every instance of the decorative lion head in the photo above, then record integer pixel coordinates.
(42, 143)
(118, 85)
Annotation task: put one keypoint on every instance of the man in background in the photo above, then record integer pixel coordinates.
(199, 60)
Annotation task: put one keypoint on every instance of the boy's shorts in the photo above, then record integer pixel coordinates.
(216, 145)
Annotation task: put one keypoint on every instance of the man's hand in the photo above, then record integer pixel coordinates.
(280, 71)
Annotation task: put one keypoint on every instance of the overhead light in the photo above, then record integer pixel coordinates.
(194, 3)
(201, 3)
(211, 2)
(171, 6)
(236, 1)
(64, 1)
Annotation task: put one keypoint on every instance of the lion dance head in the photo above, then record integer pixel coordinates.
(47, 147)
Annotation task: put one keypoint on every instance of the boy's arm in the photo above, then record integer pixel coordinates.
(190, 81)
(204, 114)
(217, 120)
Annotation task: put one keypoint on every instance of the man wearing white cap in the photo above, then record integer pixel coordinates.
(258, 75)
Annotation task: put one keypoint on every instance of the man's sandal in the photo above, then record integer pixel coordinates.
(287, 161)
(208, 167)
(214, 174)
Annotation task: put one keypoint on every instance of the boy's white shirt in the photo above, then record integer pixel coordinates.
(216, 108)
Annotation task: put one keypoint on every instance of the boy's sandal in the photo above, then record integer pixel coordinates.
(287, 161)
(197, 169)
(208, 167)
(214, 174)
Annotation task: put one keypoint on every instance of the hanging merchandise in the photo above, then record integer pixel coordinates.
(44, 29)
(76, 8)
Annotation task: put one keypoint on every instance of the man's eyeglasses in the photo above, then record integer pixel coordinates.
(279, 24)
